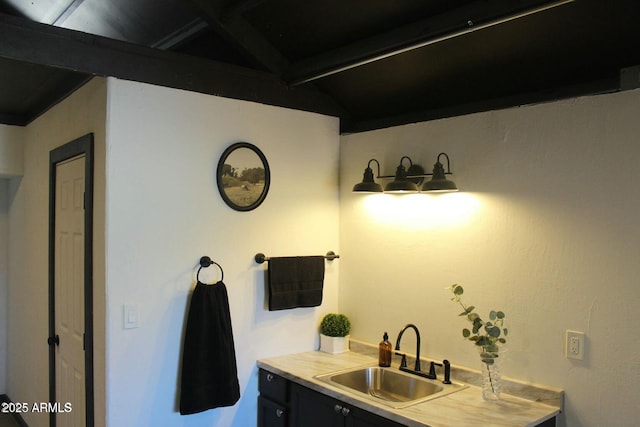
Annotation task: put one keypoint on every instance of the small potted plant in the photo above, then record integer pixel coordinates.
(334, 333)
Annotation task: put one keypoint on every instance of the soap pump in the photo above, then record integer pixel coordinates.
(384, 352)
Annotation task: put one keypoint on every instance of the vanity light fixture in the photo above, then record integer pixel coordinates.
(407, 180)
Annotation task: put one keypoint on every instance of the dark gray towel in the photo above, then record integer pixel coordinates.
(209, 371)
(295, 282)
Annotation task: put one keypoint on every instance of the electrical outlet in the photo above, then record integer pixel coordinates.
(574, 345)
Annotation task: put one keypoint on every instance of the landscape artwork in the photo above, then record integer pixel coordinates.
(243, 176)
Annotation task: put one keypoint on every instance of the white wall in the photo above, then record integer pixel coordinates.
(11, 167)
(11, 151)
(28, 206)
(4, 267)
(545, 228)
(164, 212)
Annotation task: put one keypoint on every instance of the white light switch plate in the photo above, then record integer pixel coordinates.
(131, 316)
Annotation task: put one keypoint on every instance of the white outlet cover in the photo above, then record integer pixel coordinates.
(574, 345)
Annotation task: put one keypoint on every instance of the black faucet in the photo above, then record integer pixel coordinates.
(432, 365)
(404, 361)
(403, 364)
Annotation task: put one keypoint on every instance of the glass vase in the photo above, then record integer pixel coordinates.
(490, 365)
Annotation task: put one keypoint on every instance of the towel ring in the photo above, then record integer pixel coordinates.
(205, 261)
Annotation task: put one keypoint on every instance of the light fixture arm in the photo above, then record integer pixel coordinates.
(369, 166)
(399, 165)
(408, 158)
(448, 172)
(422, 175)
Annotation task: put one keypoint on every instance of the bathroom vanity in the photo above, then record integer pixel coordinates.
(293, 394)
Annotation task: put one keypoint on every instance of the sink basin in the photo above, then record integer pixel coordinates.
(389, 386)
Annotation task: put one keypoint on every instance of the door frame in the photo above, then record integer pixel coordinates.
(79, 146)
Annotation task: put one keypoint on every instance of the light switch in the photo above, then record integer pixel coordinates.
(131, 316)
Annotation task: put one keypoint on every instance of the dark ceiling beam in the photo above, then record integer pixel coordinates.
(51, 98)
(31, 42)
(181, 35)
(238, 8)
(10, 9)
(13, 119)
(607, 82)
(237, 31)
(471, 17)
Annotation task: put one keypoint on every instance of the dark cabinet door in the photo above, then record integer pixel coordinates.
(272, 386)
(271, 414)
(359, 418)
(551, 422)
(312, 409)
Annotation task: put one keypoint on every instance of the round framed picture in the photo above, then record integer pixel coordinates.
(243, 176)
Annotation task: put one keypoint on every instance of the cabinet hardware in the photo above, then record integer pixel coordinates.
(341, 410)
(279, 413)
(269, 377)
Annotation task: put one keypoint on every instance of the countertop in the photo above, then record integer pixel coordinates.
(460, 409)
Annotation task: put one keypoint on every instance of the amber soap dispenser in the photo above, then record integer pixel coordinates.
(384, 352)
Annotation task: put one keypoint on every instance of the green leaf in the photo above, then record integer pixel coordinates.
(493, 315)
(492, 348)
(505, 331)
(466, 333)
(484, 341)
(458, 290)
(494, 332)
(500, 315)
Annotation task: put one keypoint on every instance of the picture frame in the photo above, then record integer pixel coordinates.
(243, 176)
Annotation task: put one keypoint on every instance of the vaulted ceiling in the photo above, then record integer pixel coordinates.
(373, 63)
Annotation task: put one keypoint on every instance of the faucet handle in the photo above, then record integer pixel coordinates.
(432, 370)
(403, 361)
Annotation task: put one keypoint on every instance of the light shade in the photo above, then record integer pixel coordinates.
(368, 185)
(401, 184)
(439, 181)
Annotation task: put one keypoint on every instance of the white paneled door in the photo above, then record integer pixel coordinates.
(69, 292)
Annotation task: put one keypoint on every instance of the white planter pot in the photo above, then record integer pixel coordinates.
(334, 345)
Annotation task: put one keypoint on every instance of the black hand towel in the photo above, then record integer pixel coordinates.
(295, 282)
(209, 371)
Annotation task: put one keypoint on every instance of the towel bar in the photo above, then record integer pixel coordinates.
(260, 257)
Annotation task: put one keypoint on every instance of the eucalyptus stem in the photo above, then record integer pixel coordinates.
(493, 390)
(486, 335)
